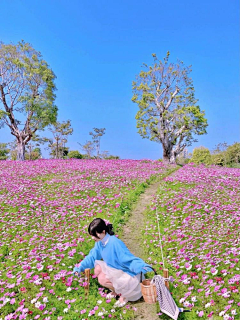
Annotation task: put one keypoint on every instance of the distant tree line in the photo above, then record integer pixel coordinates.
(91, 148)
(168, 111)
(57, 145)
(222, 155)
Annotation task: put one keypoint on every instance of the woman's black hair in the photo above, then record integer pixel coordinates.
(98, 225)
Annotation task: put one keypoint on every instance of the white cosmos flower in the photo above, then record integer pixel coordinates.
(100, 314)
(65, 310)
(207, 305)
(45, 299)
(99, 301)
(37, 304)
(226, 294)
(186, 304)
(69, 289)
(194, 299)
(186, 281)
(188, 266)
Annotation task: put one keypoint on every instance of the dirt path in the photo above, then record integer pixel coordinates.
(132, 238)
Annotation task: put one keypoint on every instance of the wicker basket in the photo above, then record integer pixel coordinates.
(148, 289)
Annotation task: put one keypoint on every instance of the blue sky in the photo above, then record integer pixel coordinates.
(96, 48)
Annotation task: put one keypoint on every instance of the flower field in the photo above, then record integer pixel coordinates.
(45, 209)
(198, 210)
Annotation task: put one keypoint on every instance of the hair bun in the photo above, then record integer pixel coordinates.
(110, 229)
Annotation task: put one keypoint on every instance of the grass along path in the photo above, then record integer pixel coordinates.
(131, 236)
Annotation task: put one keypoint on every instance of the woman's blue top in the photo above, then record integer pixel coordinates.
(116, 255)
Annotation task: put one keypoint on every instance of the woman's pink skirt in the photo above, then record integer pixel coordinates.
(124, 284)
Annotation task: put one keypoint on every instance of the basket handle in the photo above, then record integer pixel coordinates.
(142, 273)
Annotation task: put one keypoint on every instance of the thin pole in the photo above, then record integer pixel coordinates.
(160, 239)
(165, 271)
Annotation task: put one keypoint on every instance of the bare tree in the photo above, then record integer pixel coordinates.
(60, 131)
(96, 136)
(88, 148)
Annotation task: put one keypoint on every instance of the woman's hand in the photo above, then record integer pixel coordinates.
(76, 271)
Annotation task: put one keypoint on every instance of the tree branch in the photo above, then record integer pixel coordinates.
(171, 99)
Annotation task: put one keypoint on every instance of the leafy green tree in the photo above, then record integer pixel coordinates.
(96, 136)
(4, 151)
(74, 154)
(233, 153)
(168, 111)
(219, 155)
(26, 91)
(218, 159)
(201, 155)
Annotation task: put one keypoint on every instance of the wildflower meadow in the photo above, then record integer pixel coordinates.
(198, 211)
(45, 209)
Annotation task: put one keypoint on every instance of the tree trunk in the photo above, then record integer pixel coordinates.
(169, 156)
(30, 152)
(98, 148)
(57, 150)
(20, 150)
(173, 158)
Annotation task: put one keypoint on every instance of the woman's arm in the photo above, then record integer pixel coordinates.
(89, 260)
(128, 260)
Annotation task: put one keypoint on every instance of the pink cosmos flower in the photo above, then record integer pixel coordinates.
(42, 306)
(210, 314)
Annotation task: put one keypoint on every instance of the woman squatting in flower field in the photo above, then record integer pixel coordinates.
(114, 265)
